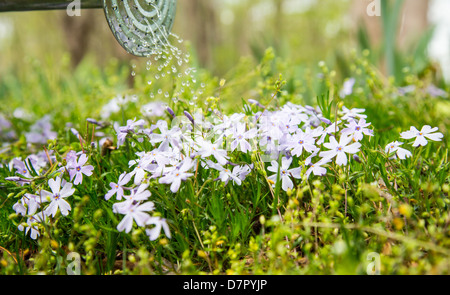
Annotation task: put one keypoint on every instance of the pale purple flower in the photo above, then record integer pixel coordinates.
(436, 92)
(285, 173)
(340, 149)
(41, 131)
(158, 222)
(321, 132)
(422, 135)
(131, 127)
(208, 149)
(153, 109)
(134, 211)
(167, 137)
(225, 173)
(401, 153)
(357, 130)
(117, 188)
(57, 196)
(21, 168)
(138, 172)
(32, 226)
(178, 174)
(137, 195)
(78, 168)
(301, 141)
(353, 113)
(28, 203)
(317, 168)
(240, 136)
(347, 88)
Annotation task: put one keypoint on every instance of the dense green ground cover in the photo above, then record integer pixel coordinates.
(329, 224)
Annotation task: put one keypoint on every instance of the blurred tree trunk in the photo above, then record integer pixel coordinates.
(278, 25)
(90, 32)
(412, 23)
(199, 24)
(77, 31)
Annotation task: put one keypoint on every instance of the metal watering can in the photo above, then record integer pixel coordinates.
(142, 27)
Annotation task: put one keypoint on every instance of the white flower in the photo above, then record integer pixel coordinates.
(339, 149)
(240, 137)
(285, 173)
(166, 136)
(301, 141)
(134, 211)
(138, 172)
(356, 130)
(32, 226)
(317, 168)
(117, 188)
(178, 174)
(208, 149)
(137, 196)
(322, 133)
(400, 152)
(159, 223)
(353, 113)
(78, 168)
(226, 174)
(347, 88)
(422, 135)
(57, 197)
(32, 202)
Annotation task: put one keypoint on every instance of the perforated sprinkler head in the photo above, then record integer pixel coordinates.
(142, 27)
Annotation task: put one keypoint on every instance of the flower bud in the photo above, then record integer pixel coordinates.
(186, 113)
(357, 158)
(171, 112)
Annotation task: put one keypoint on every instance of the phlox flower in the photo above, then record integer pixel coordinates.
(78, 168)
(117, 188)
(139, 194)
(32, 224)
(422, 135)
(321, 133)
(41, 131)
(57, 196)
(353, 113)
(242, 171)
(285, 173)
(226, 174)
(347, 88)
(177, 175)
(357, 130)
(167, 137)
(27, 206)
(123, 131)
(139, 171)
(240, 136)
(21, 168)
(400, 152)
(207, 149)
(28, 202)
(301, 141)
(134, 211)
(340, 149)
(158, 222)
(317, 168)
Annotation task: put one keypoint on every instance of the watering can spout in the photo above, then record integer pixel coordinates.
(142, 27)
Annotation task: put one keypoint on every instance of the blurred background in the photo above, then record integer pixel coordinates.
(220, 33)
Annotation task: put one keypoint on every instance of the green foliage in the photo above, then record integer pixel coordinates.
(324, 226)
